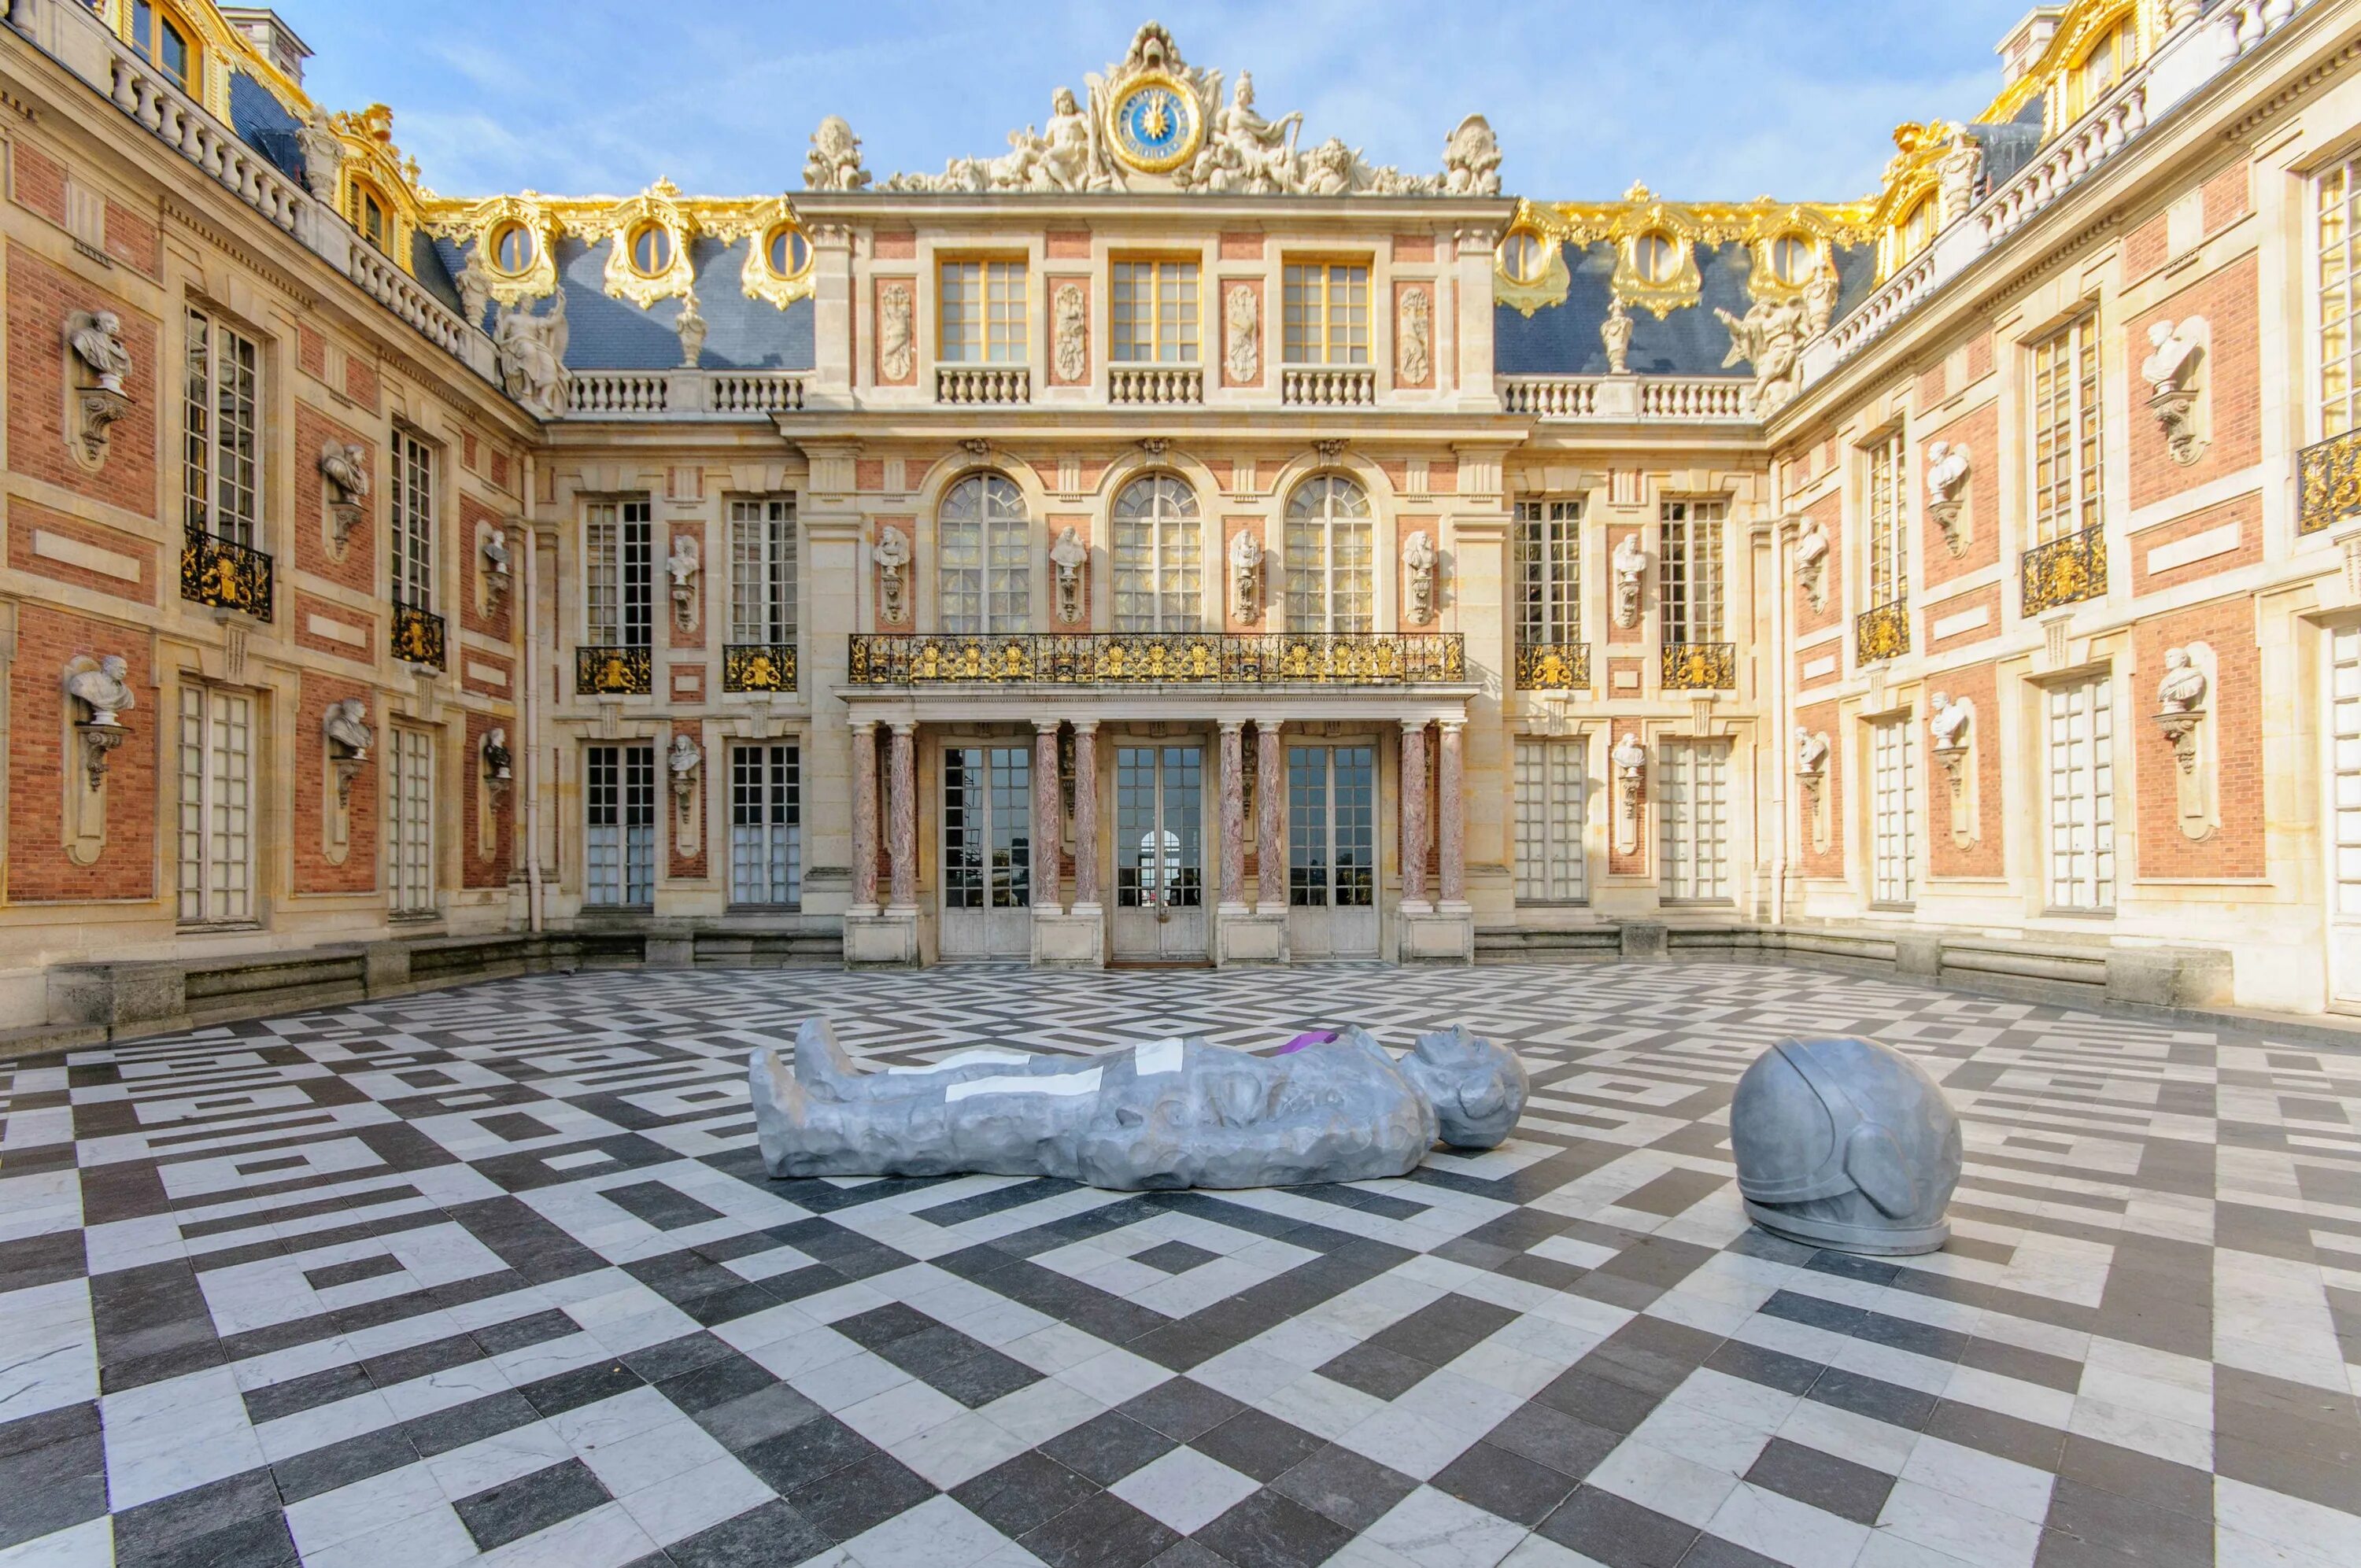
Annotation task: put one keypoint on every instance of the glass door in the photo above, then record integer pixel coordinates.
(1332, 852)
(1159, 875)
(987, 853)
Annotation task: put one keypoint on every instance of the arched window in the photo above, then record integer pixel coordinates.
(1329, 584)
(368, 216)
(1917, 230)
(1158, 586)
(984, 542)
(2104, 67)
(161, 40)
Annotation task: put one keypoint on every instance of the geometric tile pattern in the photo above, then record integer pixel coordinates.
(494, 1275)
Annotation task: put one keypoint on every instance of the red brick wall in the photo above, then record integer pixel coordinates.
(1823, 719)
(475, 516)
(311, 352)
(133, 240)
(39, 182)
(1931, 383)
(307, 606)
(503, 689)
(357, 570)
(360, 382)
(38, 868)
(1066, 244)
(2234, 716)
(1980, 356)
(2231, 375)
(313, 796)
(2245, 510)
(40, 298)
(1829, 512)
(1988, 799)
(1943, 609)
(1981, 518)
(478, 870)
(2146, 247)
(2226, 199)
(26, 518)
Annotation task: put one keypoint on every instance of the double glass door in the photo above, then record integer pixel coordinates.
(987, 853)
(1159, 872)
(1332, 852)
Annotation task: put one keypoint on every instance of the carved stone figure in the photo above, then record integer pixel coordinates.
(2182, 690)
(1948, 721)
(896, 351)
(346, 467)
(499, 765)
(1243, 151)
(346, 725)
(1844, 1143)
(496, 554)
(1631, 759)
(681, 565)
(100, 688)
(1812, 563)
(1419, 561)
(1067, 556)
(1241, 338)
(532, 353)
(475, 287)
(1820, 293)
(690, 327)
(323, 155)
(1328, 170)
(892, 553)
(1811, 753)
(1769, 337)
(1245, 574)
(1947, 484)
(1615, 335)
(1414, 335)
(834, 161)
(1629, 564)
(1957, 173)
(96, 338)
(1066, 144)
(1164, 1116)
(1070, 321)
(1471, 159)
(2171, 372)
(682, 761)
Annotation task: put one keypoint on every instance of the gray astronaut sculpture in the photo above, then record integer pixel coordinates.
(1168, 1115)
(1844, 1143)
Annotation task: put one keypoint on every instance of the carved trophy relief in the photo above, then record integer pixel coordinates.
(1414, 337)
(1241, 330)
(682, 566)
(1630, 761)
(1069, 315)
(347, 736)
(1629, 564)
(893, 556)
(96, 395)
(344, 465)
(1811, 783)
(1419, 561)
(1246, 574)
(1615, 336)
(1812, 563)
(2183, 703)
(834, 161)
(1952, 727)
(1947, 492)
(1068, 555)
(2172, 370)
(897, 342)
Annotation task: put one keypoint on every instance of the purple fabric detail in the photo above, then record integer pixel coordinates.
(1316, 1038)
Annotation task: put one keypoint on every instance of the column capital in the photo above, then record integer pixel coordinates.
(1231, 726)
(906, 727)
(1415, 726)
(1453, 726)
(1272, 725)
(1085, 727)
(861, 724)
(1046, 726)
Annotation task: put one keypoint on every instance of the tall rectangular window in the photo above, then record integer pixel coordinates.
(1692, 809)
(1689, 575)
(2067, 448)
(1887, 517)
(412, 500)
(410, 821)
(2344, 765)
(1892, 809)
(763, 570)
(618, 573)
(216, 806)
(1325, 314)
(983, 318)
(2337, 195)
(766, 834)
(221, 461)
(618, 844)
(1550, 790)
(1549, 572)
(2079, 740)
(1154, 314)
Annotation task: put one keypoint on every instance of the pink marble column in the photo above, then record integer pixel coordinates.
(864, 817)
(901, 810)
(1413, 814)
(1086, 814)
(1048, 821)
(1451, 784)
(1270, 813)
(1234, 816)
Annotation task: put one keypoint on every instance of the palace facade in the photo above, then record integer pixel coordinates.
(1174, 540)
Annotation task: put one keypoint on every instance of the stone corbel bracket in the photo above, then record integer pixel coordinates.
(2175, 374)
(1812, 752)
(346, 738)
(96, 696)
(97, 364)
(1631, 759)
(685, 763)
(2184, 704)
(1952, 730)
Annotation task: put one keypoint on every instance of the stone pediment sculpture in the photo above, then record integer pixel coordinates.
(1949, 722)
(834, 161)
(1770, 337)
(1152, 121)
(532, 353)
(345, 465)
(1615, 336)
(323, 155)
(1162, 1116)
(2183, 689)
(682, 760)
(1811, 753)
(1242, 347)
(1845, 1143)
(96, 338)
(690, 327)
(498, 759)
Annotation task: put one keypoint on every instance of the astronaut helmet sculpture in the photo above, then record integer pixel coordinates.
(1477, 1088)
(1846, 1143)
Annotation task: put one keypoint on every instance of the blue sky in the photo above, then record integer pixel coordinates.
(1702, 99)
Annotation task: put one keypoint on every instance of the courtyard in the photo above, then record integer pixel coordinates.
(494, 1274)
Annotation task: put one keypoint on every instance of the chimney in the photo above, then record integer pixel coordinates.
(2024, 43)
(273, 39)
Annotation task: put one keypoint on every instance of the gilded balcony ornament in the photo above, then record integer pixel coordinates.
(2064, 570)
(1881, 633)
(1699, 666)
(758, 667)
(1655, 244)
(610, 671)
(1193, 658)
(2331, 486)
(1553, 666)
(225, 575)
(418, 636)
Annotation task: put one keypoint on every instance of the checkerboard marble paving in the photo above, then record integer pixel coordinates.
(494, 1274)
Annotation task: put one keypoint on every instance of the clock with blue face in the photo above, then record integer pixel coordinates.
(1154, 122)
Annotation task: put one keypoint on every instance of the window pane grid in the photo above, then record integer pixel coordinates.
(2067, 431)
(2080, 746)
(985, 544)
(1154, 312)
(215, 807)
(2345, 726)
(1889, 511)
(1160, 827)
(220, 463)
(1158, 581)
(762, 571)
(1892, 790)
(410, 817)
(618, 561)
(983, 311)
(1551, 788)
(1549, 572)
(1331, 584)
(1690, 570)
(619, 841)
(413, 521)
(2339, 202)
(1325, 314)
(1693, 805)
(765, 824)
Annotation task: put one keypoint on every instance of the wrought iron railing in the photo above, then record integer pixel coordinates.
(1553, 666)
(605, 670)
(2064, 570)
(758, 667)
(1881, 633)
(225, 575)
(2331, 489)
(417, 635)
(1188, 658)
(1700, 667)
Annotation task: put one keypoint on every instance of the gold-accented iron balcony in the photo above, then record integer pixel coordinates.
(758, 667)
(225, 575)
(1553, 666)
(2330, 492)
(1184, 658)
(1699, 666)
(417, 636)
(2064, 570)
(1881, 633)
(990, 384)
(605, 670)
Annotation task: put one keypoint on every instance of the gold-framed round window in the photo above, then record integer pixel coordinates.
(787, 251)
(1794, 259)
(514, 249)
(1657, 257)
(1524, 256)
(650, 249)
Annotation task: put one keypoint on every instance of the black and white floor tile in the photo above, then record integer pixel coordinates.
(495, 1274)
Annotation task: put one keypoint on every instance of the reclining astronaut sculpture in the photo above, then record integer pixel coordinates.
(1168, 1114)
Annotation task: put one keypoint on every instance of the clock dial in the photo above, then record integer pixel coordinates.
(1155, 125)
